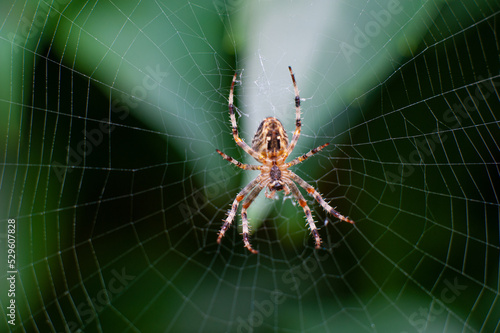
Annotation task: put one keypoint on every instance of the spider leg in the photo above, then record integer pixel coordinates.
(270, 195)
(234, 207)
(298, 123)
(305, 156)
(312, 191)
(307, 211)
(236, 136)
(237, 163)
(244, 221)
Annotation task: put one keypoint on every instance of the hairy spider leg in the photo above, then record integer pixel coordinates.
(236, 136)
(307, 211)
(298, 123)
(244, 221)
(237, 163)
(234, 207)
(315, 194)
(305, 156)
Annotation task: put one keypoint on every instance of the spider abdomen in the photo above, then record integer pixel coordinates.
(270, 139)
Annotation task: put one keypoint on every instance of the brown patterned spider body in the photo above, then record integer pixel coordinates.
(271, 148)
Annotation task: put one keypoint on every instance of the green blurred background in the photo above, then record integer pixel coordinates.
(110, 114)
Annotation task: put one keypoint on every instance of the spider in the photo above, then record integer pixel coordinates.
(270, 147)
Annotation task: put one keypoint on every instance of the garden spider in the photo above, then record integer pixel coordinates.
(270, 147)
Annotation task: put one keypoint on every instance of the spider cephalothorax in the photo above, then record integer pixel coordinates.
(270, 147)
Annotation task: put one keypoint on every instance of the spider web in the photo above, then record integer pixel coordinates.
(110, 116)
